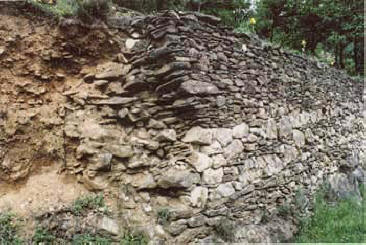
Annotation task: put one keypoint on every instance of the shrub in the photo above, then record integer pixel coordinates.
(89, 202)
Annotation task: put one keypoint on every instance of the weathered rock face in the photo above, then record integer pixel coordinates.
(190, 117)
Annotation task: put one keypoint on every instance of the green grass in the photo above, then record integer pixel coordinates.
(89, 202)
(342, 222)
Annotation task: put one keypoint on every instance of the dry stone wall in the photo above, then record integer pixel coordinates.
(203, 125)
(210, 125)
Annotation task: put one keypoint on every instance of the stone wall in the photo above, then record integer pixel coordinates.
(205, 126)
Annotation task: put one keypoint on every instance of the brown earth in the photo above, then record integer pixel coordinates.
(38, 63)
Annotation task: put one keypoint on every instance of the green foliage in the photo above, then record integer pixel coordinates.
(134, 239)
(151, 5)
(336, 25)
(89, 202)
(8, 229)
(265, 216)
(88, 10)
(43, 235)
(163, 216)
(233, 13)
(62, 8)
(340, 222)
(225, 229)
(284, 210)
(82, 239)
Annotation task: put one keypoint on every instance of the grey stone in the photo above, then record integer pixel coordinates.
(107, 224)
(122, 151)
(220, 101)
(224, 136)
(212, 176)
(199, 196)
(342, 187)
(113, 71)
(233, 149)
(115, 101)
(156, 124)
(241, 131)
(271, 129)
(198, 88)
(200, 161)
(214, 148)
(218, 161)
(167, 135)
(198, 135)
(196, 221)
(298, 137)
(123, 113)
(143, 181)
(176, 229)
(285, 127)
(225, 190)
(274, 164)
(174, 178)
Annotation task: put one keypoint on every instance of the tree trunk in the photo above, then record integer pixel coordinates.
(358, 55)
(336, 56)
(341, 55)
(160, 5)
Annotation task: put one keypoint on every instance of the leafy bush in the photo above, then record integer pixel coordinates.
(43, 235)
(89, 202)
(342, 222)
(8, 229)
